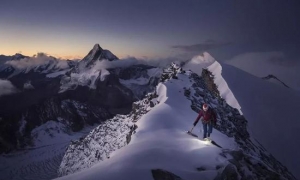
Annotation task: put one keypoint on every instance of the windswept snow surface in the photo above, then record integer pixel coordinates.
(161, 141)
(272, 112)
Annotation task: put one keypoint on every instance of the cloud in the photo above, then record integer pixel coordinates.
(262, 64)
(129, 61)
(37, 60)
(206, 45)
(6, 87)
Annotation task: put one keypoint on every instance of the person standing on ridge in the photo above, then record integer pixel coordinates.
(209, 119)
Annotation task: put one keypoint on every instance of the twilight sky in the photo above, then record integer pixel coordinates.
(152, 28)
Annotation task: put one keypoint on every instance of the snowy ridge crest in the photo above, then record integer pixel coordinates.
(240, 157)
(250, 159)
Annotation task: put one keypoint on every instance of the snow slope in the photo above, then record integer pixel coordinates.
(261, 64)
(272, 112)
(161, 142)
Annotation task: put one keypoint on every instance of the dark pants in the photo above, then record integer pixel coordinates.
(207, 129)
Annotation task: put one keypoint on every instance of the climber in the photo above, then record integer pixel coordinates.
(208, 117)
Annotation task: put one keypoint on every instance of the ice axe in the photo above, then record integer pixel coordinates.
(191, 130)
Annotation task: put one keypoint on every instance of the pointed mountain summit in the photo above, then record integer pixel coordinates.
(97, 53)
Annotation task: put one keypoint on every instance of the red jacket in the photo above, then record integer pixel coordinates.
(208, 116)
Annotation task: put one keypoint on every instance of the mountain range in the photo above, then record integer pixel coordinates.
(52, 91)
(94, 118)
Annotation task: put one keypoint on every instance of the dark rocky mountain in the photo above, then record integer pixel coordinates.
(48, 92)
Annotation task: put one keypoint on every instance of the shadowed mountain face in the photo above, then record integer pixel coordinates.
(39, 97)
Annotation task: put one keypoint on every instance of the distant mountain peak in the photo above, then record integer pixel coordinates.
(272, 77)
(97, 54)
(97, 47)
(17, 56)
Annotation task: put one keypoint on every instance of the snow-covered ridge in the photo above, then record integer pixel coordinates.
(161, 143)
(206, 61)
(223, 87)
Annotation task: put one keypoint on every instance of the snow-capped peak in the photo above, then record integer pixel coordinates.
(18, 56)
(96, 54)
(198, 62)
(96, 48)
(204, 58)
